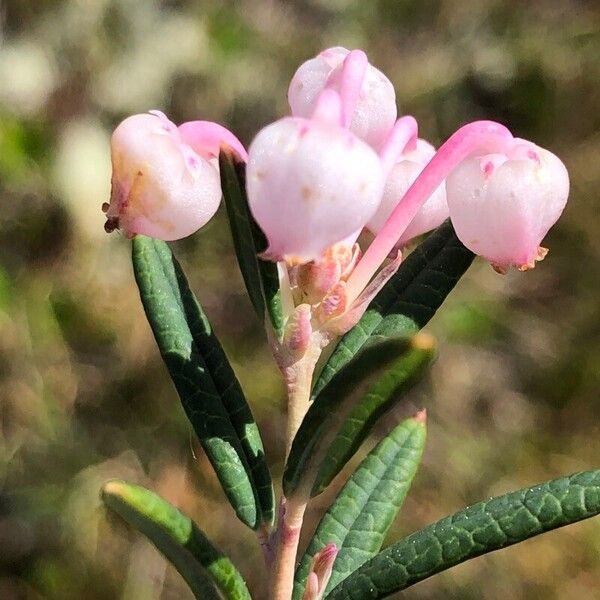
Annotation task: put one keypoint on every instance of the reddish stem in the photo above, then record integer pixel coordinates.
(402, 137)
(480, 136)
(354, 70)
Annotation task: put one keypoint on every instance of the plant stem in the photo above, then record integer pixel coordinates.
(402, 137)
(298, 380)
(288, 537)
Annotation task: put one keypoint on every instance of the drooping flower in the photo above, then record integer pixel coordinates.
(311, 182)
(503, 218)
(503, 205)
(161, 186)
(402, 175)
(374, 109)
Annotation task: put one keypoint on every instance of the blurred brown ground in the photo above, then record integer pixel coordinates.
(513, 398)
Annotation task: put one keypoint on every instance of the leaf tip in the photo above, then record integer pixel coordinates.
(423, 341)
(113, 487)
(421, 416)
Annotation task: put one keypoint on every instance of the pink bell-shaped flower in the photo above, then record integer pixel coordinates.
(311, 183)
(373, 112)
(161, 187)
(502, 205)
(402, 175)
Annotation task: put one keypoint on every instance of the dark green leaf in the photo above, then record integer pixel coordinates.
(482, 528)
(337, 401)
(209, 390)
(260, 276)
(381, 396)
(204, 567)
(408, 300)
(361, 515)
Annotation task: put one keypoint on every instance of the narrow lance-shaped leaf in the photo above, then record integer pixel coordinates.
(210, 393)
(260, 276)
(330, 410)
(385, 393)
(481, 528)
(358, 520)
(205, 568)
(408, 300)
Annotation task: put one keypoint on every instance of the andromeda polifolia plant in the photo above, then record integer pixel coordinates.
(343, 320)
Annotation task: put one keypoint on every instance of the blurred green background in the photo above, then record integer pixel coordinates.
(514, 397)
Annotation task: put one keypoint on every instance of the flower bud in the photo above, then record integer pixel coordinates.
(502, 205)
(310, 184)
(160, 186)
(375, 111)
(433, 212)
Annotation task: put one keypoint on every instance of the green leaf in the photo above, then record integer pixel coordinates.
(209, 390)
(482, 528)
(260, 276)
(328, 413)
(385, 393)
(361, 515)
(201, 564)
(408, 300)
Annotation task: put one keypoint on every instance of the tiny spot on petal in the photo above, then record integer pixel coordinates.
(307, 193)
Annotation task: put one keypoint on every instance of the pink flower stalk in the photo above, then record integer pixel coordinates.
(411, 155)
(207, 138)
(479, 137)
(311, 182)
(165, 181)
(368, 97)
(502, 205)
(501, 212)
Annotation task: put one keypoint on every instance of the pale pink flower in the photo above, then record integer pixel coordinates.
(502, 205)
(162, 186)
(311, 183)
(503, 195)
(372, 97)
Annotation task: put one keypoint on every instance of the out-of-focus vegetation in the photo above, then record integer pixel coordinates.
(514, 397)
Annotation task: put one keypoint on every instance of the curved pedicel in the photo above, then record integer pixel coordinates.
(483, 137)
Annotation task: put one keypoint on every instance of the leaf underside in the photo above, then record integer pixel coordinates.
(476, 530)
(408, 300)
(209, 390)
(210, 574)
(260, 276)
(363, 511)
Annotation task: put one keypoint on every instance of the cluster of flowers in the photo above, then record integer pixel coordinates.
(342, 162)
